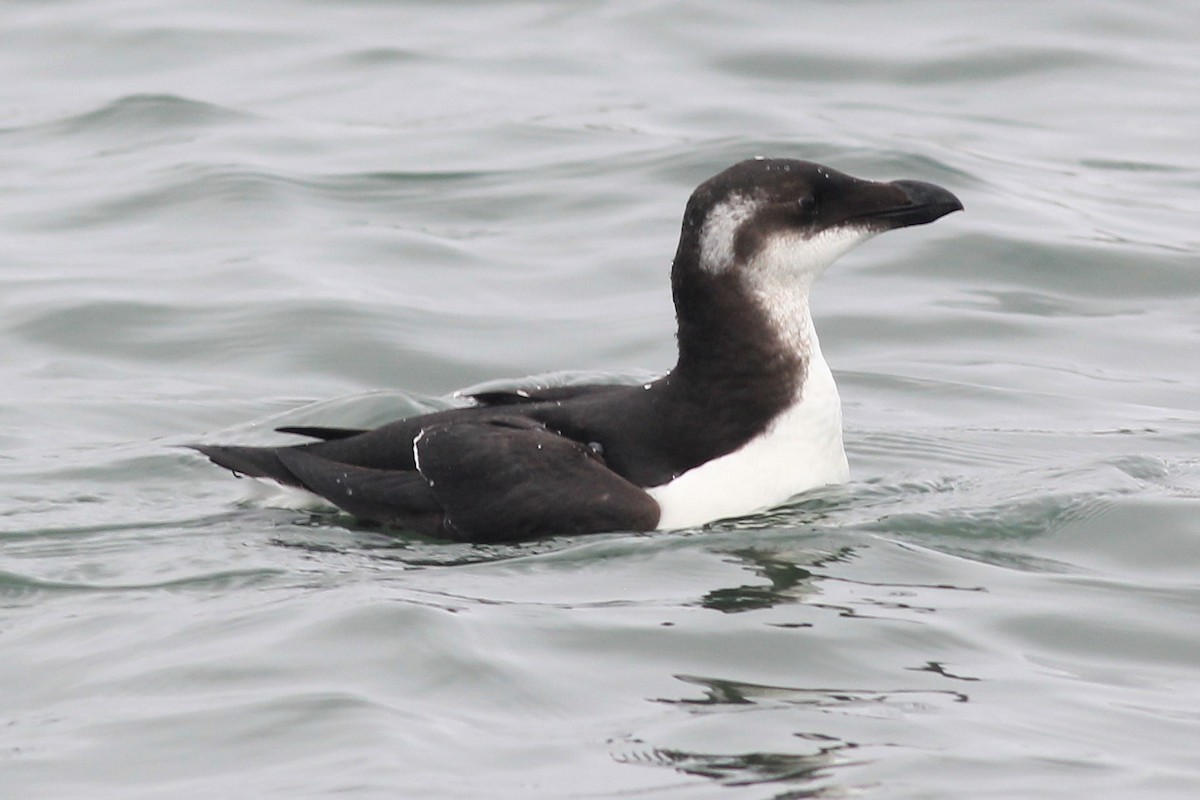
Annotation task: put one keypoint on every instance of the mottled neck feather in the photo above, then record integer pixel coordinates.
(737, 364)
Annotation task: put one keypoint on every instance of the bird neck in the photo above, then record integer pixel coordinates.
(744, 345)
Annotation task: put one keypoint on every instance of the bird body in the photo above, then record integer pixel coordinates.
(748, 417)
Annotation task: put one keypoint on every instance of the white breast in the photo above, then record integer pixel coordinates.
(801, 450)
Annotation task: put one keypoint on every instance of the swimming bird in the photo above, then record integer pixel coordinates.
(748, 417)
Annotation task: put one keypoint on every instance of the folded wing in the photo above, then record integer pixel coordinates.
(512, 478)
(487, 479)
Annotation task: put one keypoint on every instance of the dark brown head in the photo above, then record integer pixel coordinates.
(754, 239)
(795, 217)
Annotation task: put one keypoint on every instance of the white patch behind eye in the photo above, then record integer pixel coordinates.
(785, 252)
(720, 229)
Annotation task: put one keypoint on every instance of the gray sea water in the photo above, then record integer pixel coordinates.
(219, 217)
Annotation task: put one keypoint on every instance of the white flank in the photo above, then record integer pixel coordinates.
(266, 492)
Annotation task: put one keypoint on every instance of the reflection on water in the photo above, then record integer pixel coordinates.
(719, 692)
(749, 769)
(806, 575)
(787, 581)
(810, 766)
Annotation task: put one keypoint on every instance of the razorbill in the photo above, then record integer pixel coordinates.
(748, 417)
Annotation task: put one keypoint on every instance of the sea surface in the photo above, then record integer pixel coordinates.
(219, 217)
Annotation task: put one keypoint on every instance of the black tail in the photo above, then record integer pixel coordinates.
(253, 462)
